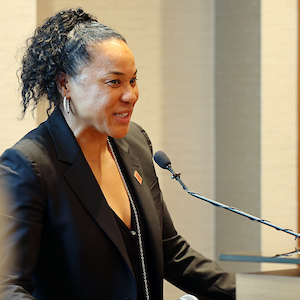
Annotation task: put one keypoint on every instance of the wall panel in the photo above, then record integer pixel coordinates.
(256, 125)
(17, 21)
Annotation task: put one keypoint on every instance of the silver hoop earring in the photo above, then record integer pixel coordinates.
(66, 103)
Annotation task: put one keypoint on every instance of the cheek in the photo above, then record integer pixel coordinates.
(137, 94)
(93, 100)
(99, 109)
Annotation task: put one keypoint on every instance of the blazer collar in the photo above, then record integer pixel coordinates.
(67, 148)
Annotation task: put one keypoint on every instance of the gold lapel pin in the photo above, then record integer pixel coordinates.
(138, 177)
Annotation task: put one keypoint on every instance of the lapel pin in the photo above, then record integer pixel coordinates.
(138, 177)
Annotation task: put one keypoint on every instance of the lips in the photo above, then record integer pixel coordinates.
(122, 115)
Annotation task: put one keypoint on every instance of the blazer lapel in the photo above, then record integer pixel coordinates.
(82, 180)
(86, 188)
(133, 168)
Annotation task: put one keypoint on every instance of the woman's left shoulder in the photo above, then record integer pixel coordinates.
(138, 136)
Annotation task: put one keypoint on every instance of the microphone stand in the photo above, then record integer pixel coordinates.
(235, 210)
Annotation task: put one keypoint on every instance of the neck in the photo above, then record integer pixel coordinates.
(92, 142)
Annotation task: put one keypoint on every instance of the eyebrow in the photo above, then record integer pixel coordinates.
(119, 73)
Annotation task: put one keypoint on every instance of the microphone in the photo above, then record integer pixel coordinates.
(162, 159)
(164, 162)
(188, 297)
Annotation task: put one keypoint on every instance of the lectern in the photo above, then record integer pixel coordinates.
(269, 285)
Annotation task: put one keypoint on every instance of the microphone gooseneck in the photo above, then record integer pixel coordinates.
(164, 162)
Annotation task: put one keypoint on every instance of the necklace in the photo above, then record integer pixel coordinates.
(136, 219)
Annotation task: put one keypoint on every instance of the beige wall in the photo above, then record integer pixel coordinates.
(17, 20)
(237, 135)
(279, 108)
(217, 84)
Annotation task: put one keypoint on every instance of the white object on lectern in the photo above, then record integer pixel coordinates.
(188, 297)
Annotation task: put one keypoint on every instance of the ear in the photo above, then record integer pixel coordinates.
(62, 83)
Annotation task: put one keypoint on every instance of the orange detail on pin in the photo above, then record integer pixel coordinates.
(138, 177)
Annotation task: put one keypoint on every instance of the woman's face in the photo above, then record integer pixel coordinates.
(104, 93)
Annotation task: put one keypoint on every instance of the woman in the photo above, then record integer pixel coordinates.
(86, 218)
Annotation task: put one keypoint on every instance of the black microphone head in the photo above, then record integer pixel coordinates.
(162, 159)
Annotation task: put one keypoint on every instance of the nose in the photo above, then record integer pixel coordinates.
(130, 94)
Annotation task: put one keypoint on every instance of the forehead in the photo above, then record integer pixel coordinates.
(111, 54)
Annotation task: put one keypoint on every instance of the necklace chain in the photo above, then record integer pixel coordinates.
(136, 218)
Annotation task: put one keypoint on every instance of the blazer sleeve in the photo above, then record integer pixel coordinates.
(189, 270)
(22, 223)
(194, 273)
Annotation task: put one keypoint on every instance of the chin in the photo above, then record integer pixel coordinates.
(119, 134)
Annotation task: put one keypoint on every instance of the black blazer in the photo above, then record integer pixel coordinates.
(61, 240)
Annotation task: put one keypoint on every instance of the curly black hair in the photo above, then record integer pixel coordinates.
(59, 45)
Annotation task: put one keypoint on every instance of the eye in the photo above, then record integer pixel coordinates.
(114, 83)
(133, 81)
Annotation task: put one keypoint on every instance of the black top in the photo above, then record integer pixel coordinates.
(130, 238)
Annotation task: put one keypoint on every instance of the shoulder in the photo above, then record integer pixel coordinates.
(33, 141)
(30, 152)
(138, 138)
(45, 140)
